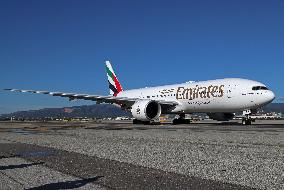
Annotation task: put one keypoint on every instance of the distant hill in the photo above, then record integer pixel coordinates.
(91, 111)
(274, 107)
(98, 111)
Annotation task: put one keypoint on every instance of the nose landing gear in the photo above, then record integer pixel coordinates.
(247, 120)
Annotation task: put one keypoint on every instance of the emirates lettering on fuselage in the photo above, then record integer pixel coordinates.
(184, 93)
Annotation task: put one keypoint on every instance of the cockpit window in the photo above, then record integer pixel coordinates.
(259, 88)
(263, 88)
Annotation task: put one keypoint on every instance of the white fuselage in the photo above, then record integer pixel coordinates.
(221, 95)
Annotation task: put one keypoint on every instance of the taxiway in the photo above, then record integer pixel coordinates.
(122, 156)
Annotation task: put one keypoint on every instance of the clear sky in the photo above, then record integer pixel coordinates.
(62, 45)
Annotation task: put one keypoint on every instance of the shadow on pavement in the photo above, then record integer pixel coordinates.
(67, 184)
(10, 167)
(10, 156)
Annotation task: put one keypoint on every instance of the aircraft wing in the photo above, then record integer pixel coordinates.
(98, 98)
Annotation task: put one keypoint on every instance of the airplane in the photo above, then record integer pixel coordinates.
(219, 98)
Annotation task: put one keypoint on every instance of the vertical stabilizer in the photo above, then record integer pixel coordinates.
(113, 83)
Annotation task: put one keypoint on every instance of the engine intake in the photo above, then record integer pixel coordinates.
(146, 110)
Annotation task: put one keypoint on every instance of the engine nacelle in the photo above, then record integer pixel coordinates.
(146, 110)
(221, 116)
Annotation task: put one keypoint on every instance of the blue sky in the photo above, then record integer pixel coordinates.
(62, 45)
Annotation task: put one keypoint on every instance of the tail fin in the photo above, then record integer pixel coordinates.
(113, 83)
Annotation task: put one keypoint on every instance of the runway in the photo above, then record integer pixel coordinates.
(118, 155)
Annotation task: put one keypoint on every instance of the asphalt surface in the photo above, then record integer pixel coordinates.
(123, 156)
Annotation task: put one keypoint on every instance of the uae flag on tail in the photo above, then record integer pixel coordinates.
(114, 85)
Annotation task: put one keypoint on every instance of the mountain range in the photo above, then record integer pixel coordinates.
(98, 111)
(90, 111)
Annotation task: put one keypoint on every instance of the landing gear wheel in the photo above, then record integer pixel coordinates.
(181, 121)
(246, 122)
(136, 121)
(176, 121)
(146, 122)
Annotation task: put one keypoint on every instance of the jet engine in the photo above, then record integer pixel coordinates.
(146, 110)
(221, 116)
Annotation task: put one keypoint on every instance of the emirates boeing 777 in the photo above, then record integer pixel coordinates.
(219, 98)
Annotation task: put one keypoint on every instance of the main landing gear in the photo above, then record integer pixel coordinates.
(136, 121)
(181, 120)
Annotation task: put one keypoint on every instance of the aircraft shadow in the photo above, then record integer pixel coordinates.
(67, 184)
(11, 156)
(9, 167)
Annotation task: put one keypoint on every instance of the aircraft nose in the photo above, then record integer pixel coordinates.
(270, 96)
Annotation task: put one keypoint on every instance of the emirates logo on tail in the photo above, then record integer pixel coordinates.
(114, 85)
